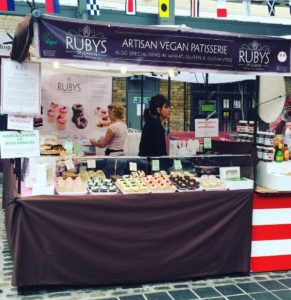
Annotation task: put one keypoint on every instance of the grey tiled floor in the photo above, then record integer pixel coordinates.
(258, 286)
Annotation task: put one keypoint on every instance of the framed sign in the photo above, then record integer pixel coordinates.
(20, 88)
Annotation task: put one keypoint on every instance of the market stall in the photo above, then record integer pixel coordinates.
(125, 238)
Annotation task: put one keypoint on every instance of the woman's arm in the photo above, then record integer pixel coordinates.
(107, 139)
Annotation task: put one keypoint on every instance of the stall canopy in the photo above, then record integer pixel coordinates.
(182, 48)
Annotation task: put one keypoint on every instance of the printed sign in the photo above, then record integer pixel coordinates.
(15, 144)
(20, 122)
(5, 44)
(177, 164)
(205, 128)
(146, 45)
(75, 106)
(132, 166)
(20, 88)
(91, 164)
(155, 165)
(207, 143)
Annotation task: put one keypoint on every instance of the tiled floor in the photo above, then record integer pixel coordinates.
(258, 286)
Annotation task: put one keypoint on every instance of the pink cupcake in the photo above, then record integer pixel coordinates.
(63, 111)
(61, 123)
(54, 106)
(51, 116)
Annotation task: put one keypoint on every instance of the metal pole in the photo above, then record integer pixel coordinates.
(256, 108)
(206, 88)
(185, 97)
(18, 174)
(141, 102)
(169, 98)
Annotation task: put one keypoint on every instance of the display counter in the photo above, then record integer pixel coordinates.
(132, 238)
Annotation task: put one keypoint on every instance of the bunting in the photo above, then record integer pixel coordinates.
(52, 6)
(221, 9)
(130, 7)
(247, 7)
(271, 7)
(195, 8)
(93, 8)
(7, 5)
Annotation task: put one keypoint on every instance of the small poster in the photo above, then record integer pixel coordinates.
(20, 88)
(20, 122)
(14, 144)
(205, 128)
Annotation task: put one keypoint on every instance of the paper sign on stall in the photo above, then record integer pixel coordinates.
(69, 165)
(14, 144)
(177, 164)
(207, 143)
(20, 122)
(91, 164)
(132, 167)
(205, 128)
(20, 88)
(155, 165)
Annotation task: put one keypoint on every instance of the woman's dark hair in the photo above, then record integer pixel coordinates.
(156, 101)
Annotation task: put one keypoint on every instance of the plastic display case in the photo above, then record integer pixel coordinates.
(37, 179)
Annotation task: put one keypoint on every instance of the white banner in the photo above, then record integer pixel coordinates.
(20, 122)
(75, 106)
(14, 144)
(20, 87)
(205, 128)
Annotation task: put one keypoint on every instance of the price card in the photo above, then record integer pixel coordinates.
(69, 164)
(68, 146)
(132, 166)
(155, 165)
(207, 143)
(91, 164)
(177, 164)
(77, 148)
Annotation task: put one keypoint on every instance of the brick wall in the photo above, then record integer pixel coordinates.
(8, 23)
(119, 91)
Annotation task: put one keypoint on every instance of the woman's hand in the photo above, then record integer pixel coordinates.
(93, 142)
(107, 139)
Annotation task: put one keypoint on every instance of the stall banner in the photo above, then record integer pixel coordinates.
(156, 46)
(204, 128)
(14, 144)
(20, 87)
(75, 106)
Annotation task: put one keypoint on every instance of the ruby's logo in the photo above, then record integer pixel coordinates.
(254, 53)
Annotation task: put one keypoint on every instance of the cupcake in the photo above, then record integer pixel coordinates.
(54, 106)
(63, 111)
(61, 123)
(51, 116)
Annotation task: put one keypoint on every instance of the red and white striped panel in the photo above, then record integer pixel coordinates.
(271, 233)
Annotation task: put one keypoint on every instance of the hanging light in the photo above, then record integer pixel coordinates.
(56, 64)
(123, 69)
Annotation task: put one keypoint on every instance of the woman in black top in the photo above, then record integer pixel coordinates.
(153, 142)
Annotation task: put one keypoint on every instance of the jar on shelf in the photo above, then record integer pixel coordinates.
(268, 154)
(269, 139)
(260, 152)
(251, 127)
(260, 139)
(242, 126)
